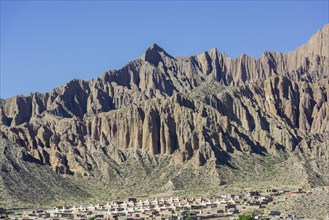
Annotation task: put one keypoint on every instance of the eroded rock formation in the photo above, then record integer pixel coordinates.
(200, 108)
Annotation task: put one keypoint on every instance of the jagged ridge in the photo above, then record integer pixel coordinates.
(204, 109)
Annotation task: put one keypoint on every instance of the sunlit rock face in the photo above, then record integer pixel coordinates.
(194, 109)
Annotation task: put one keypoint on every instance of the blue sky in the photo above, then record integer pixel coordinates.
(45, 44)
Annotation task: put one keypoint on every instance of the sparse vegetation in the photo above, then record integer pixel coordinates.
(245, 217)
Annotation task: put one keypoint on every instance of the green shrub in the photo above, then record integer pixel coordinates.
(245, 217)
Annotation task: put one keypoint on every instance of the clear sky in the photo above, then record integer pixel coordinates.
(45, 44)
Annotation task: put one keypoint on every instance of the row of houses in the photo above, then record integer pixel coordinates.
(227, 206)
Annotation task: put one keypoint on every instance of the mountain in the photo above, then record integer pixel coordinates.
(164, 123)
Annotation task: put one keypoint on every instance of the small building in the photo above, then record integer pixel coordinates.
(131, 199)
(254, 193)
(274, 213)
(272, 191)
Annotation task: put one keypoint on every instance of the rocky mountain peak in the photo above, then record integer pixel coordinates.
(205, 110)
(154, 54)
(317, 45)
(155, 47)
(213, 51)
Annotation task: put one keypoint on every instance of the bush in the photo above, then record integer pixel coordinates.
(245, 217)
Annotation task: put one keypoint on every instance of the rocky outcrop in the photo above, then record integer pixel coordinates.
(199, 110)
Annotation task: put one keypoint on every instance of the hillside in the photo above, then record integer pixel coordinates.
(165, 123)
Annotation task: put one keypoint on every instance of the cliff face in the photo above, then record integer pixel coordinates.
(201, 108)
